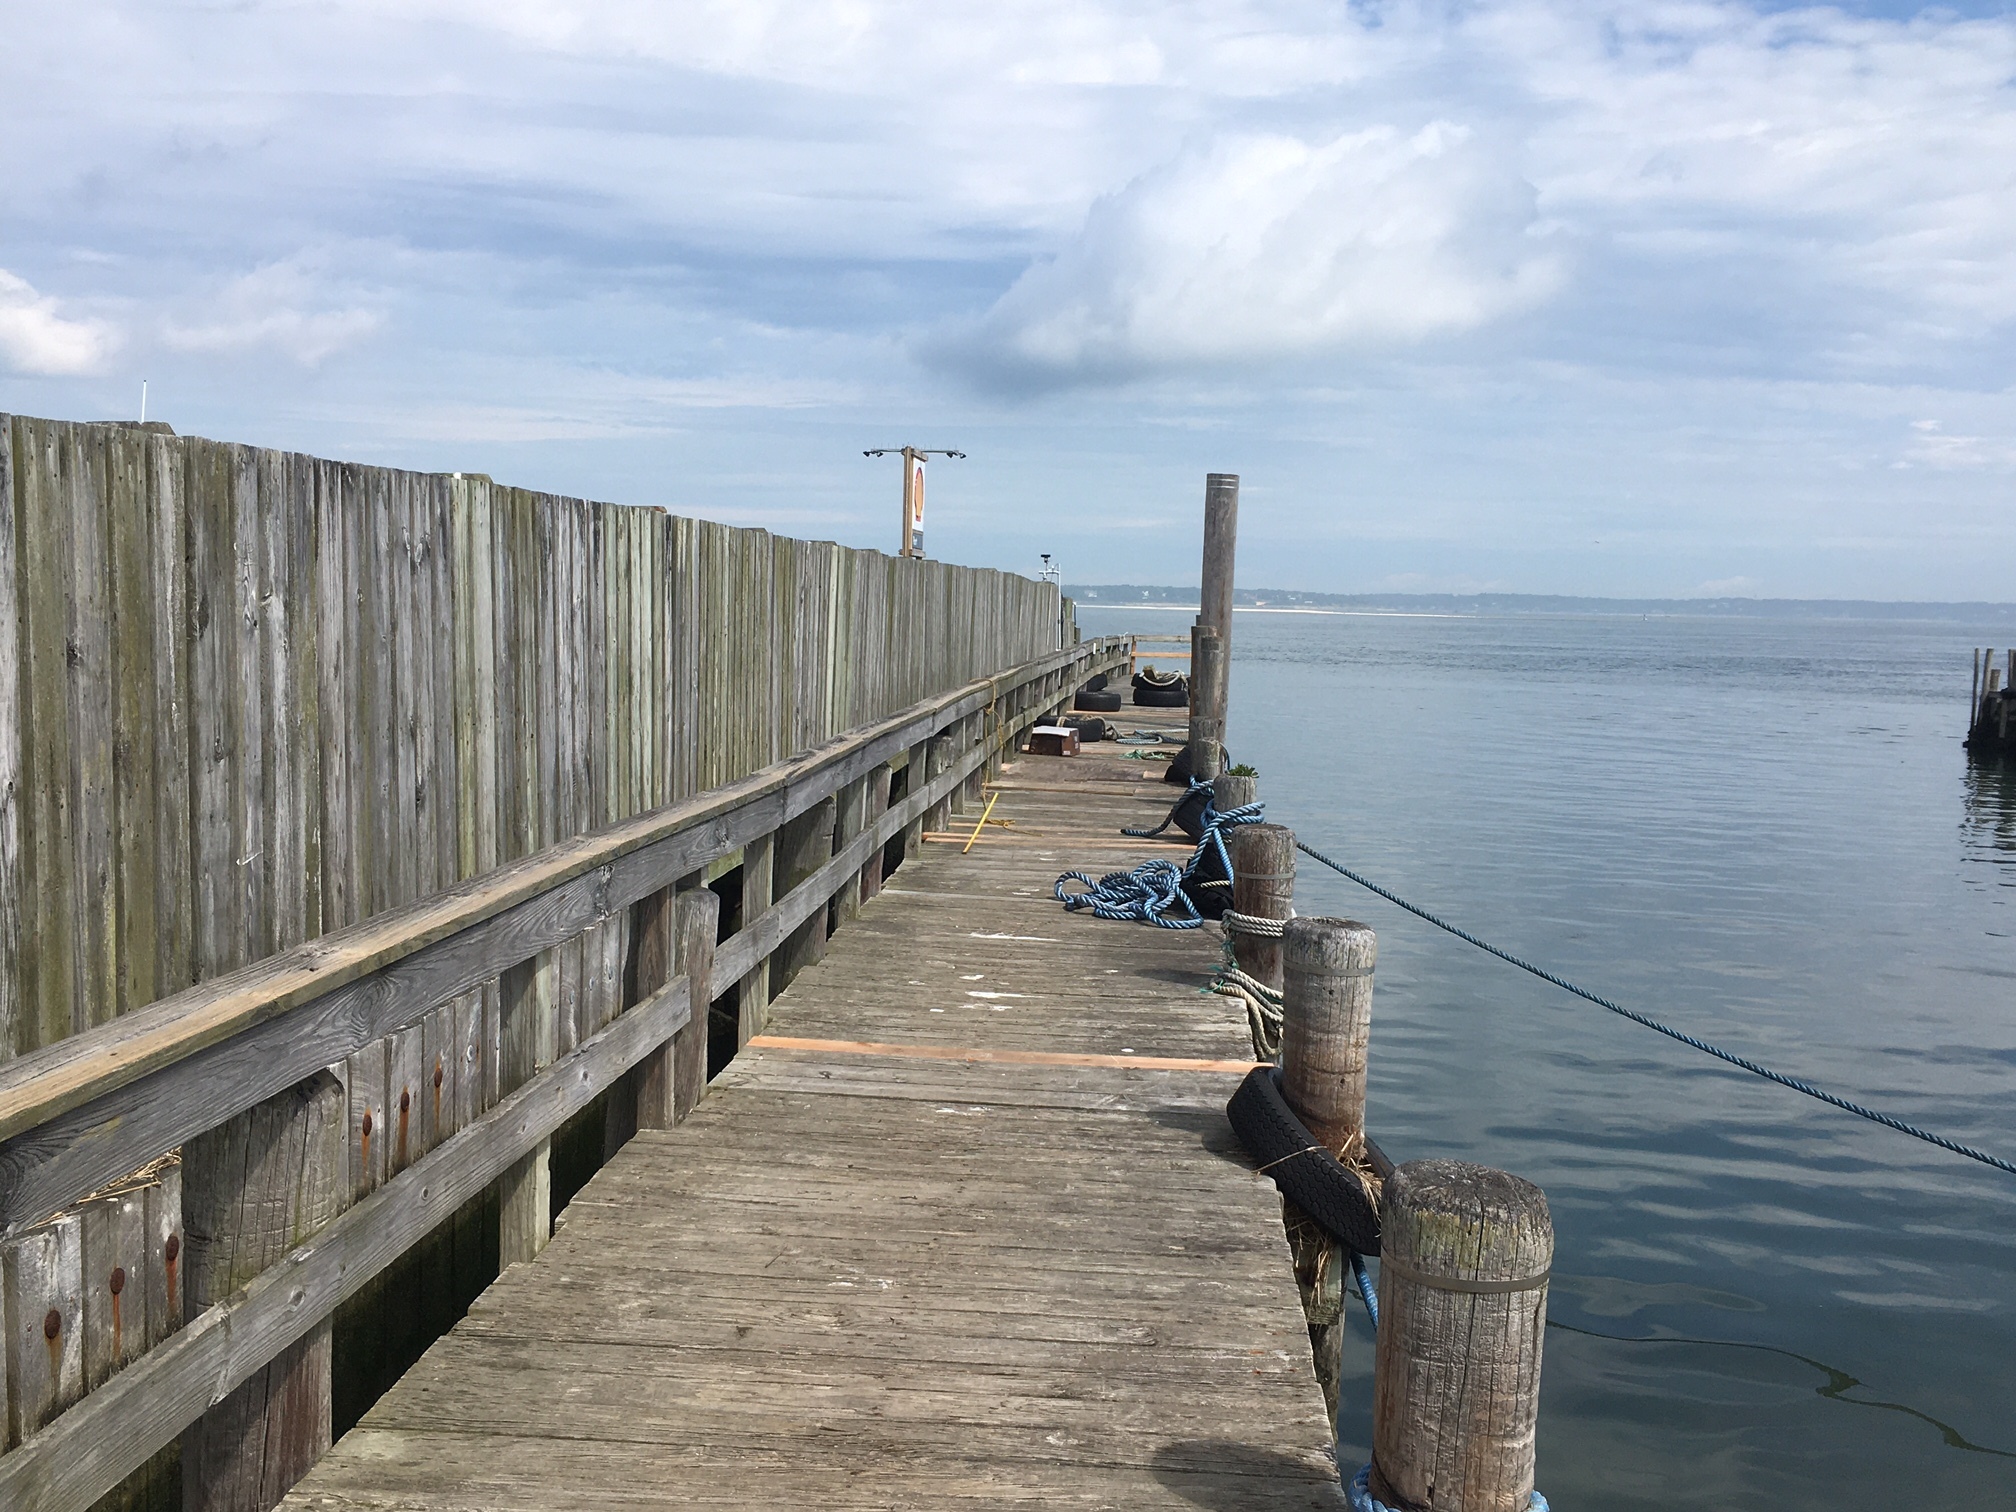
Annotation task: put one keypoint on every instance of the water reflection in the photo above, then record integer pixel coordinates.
(1988, 823)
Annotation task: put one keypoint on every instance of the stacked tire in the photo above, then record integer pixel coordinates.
(1161, 690)
(1096, 698)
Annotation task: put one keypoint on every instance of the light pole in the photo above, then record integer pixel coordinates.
(913, 491)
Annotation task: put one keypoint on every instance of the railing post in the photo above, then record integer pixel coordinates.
(849, 817)
(1464, 1258)
(804, 845)
(253, 1189)
(937, 761)
(974, 732)
(913, 782)
(1326, 1027)
(877, 806)
(653, 945)
(759, 873)
(526, 1042)
(697, 924)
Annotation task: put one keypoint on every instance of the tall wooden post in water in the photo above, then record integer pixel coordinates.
(1209, 672)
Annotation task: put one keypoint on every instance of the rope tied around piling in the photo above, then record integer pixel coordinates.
(1253, 924)
(1359, 1498)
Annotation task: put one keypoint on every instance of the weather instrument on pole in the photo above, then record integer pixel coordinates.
(913, 490)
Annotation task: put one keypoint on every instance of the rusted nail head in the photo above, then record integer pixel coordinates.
(437, 1076)
(367, 1125)
(52, 1325)
(174, 1247)
(405, 1101)
(118, 1279)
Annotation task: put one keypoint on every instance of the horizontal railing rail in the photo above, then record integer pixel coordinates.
(92, 1108)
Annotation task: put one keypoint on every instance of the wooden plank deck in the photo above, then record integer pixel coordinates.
(882, 1279)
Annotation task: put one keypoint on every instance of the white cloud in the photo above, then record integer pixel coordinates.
(1258, 247)
(36, 338)
(1932, 446)
(275, 306)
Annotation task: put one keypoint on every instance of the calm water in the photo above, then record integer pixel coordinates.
(1762, 831)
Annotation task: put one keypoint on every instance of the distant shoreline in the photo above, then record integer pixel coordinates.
(1445, 605)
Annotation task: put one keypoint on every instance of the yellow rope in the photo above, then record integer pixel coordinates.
(996, 798)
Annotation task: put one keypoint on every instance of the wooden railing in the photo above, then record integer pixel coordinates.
(243, 1053)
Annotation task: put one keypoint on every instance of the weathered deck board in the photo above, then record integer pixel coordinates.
(878, 1280)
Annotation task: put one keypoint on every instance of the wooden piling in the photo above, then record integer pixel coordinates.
(1207, 701)
(1326, 1025)
(1214, 604)
(254, 1189)
(1464, 1258)
(1326, 1012)
(1263, 887)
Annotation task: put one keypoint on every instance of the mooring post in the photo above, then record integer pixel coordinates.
(1207, 685)
(253, 1189)
(1263, 886)
(1464, 1253)
(1326, 1027)
(1214, 607)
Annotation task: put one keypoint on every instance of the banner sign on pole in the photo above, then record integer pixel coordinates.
(913, 504)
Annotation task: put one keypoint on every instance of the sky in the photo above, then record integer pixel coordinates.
(1645, 297)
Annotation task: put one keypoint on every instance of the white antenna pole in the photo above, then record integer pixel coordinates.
(143, 401)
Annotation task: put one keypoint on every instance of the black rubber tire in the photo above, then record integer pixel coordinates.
(1316, 1183)
(1161, 698)
(1179, 770)
(1090, 731)
(1097, 701)
(1095, 684)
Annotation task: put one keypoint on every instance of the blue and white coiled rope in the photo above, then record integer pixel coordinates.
(1152, 891)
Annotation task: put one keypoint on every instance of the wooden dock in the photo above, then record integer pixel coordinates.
(964, 1227)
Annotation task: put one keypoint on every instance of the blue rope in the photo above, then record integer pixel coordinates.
(1146, 894)
(1795, 1083)
(1149, 892)
(1365, 1289)
(1358, 1496)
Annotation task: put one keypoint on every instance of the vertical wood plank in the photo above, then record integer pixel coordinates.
(89, 654)
(253, 1189)
(364, 1080)
(47, 964)
(165, 1299)
(115, 1284)
(45, 1342)
(10, 778)
(251, 860)
(173, 795)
